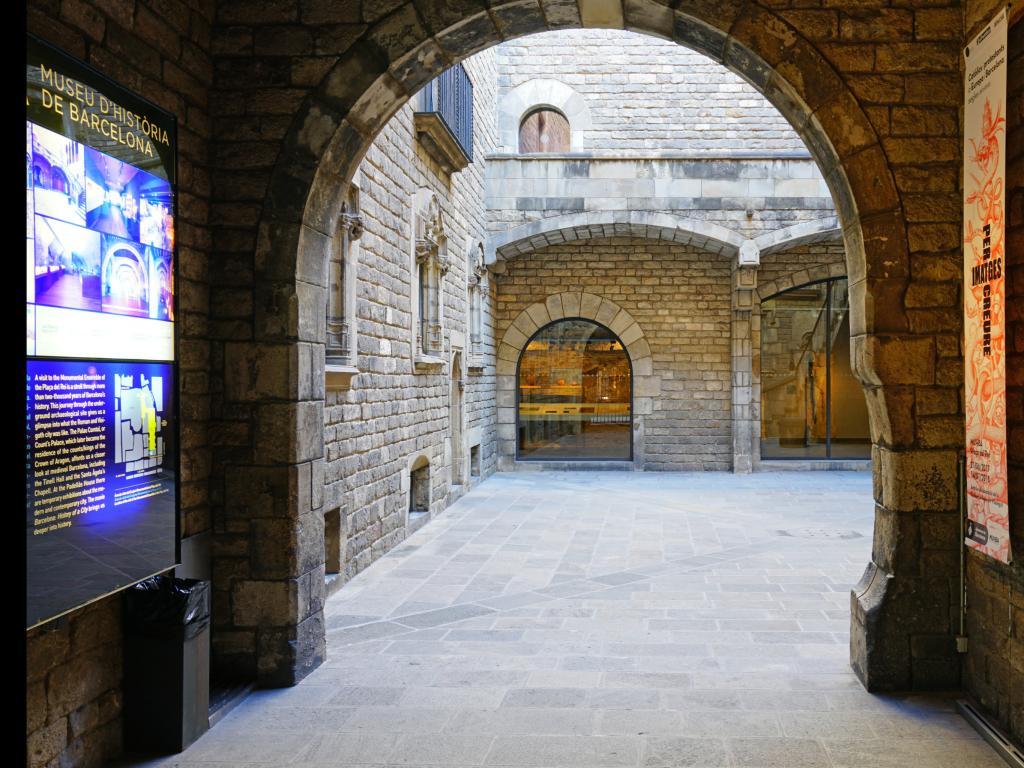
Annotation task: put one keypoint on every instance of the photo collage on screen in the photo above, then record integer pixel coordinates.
(100, 239)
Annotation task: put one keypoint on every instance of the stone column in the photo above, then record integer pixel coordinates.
(268, 548)
(745, 428)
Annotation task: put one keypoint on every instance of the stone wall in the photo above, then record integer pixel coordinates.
(646, 94)
(73, 692)
(994, 664)
(680, 298)
(391, 413)
(746, 197)
(161, 50)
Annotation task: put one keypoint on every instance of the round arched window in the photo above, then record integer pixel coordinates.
(575, 386)
(544, 130)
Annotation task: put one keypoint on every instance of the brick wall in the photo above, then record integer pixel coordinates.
(994, 665)
(649, 94)
(160, 50)
(391, 413)
(680, 297)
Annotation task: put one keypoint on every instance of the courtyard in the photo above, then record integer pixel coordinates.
(605, 619)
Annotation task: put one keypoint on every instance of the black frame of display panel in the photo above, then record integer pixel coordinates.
(128, 98)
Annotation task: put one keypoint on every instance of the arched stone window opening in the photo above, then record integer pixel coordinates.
(812, 406)
(431, 264)
(419, 488)
(544, 130)
(575, 394)
(341, 341)
(543, 93)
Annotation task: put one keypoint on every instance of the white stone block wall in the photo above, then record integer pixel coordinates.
(643, 93)
(751, 197)
(679, 293)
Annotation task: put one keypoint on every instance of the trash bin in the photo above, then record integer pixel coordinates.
(166, 664)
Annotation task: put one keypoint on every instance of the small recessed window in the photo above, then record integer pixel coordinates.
(544, 130)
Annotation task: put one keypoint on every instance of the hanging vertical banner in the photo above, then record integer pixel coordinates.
(988, 528)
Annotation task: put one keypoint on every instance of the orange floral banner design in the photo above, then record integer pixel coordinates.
(985, 290)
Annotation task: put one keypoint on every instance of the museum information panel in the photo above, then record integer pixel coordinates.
(100, 375)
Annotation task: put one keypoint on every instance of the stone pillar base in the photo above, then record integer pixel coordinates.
(287, 654)
(891, 647)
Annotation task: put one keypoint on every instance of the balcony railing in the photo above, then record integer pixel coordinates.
(448, 100)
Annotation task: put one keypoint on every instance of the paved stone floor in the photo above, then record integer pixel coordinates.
(605, 619)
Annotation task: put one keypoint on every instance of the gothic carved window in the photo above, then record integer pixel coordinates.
(544, 130)
(341, 283)
(477, 274)
(431, 252)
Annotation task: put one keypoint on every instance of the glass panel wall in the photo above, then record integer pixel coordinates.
(812, 407)
(575, 394)
(850, 436)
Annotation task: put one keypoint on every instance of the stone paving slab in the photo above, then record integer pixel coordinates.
(562, 620)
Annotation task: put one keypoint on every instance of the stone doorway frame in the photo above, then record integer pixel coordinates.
(457, 420)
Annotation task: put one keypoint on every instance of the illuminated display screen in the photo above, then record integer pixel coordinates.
(101, 509)
(101, 429)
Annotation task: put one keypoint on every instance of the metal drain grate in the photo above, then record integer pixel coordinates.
(820, 533)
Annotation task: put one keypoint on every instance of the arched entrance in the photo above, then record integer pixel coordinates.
(574, 390)
(599, 312)
(399, 53)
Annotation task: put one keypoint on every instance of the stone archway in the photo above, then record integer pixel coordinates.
(560, 306)
(903, 600)
(593, 224)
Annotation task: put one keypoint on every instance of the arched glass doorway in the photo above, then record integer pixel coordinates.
(575, 388)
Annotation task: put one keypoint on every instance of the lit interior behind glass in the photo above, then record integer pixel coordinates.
(812, 406)
(575, 387)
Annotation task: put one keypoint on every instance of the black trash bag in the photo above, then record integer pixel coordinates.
(162, 603)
